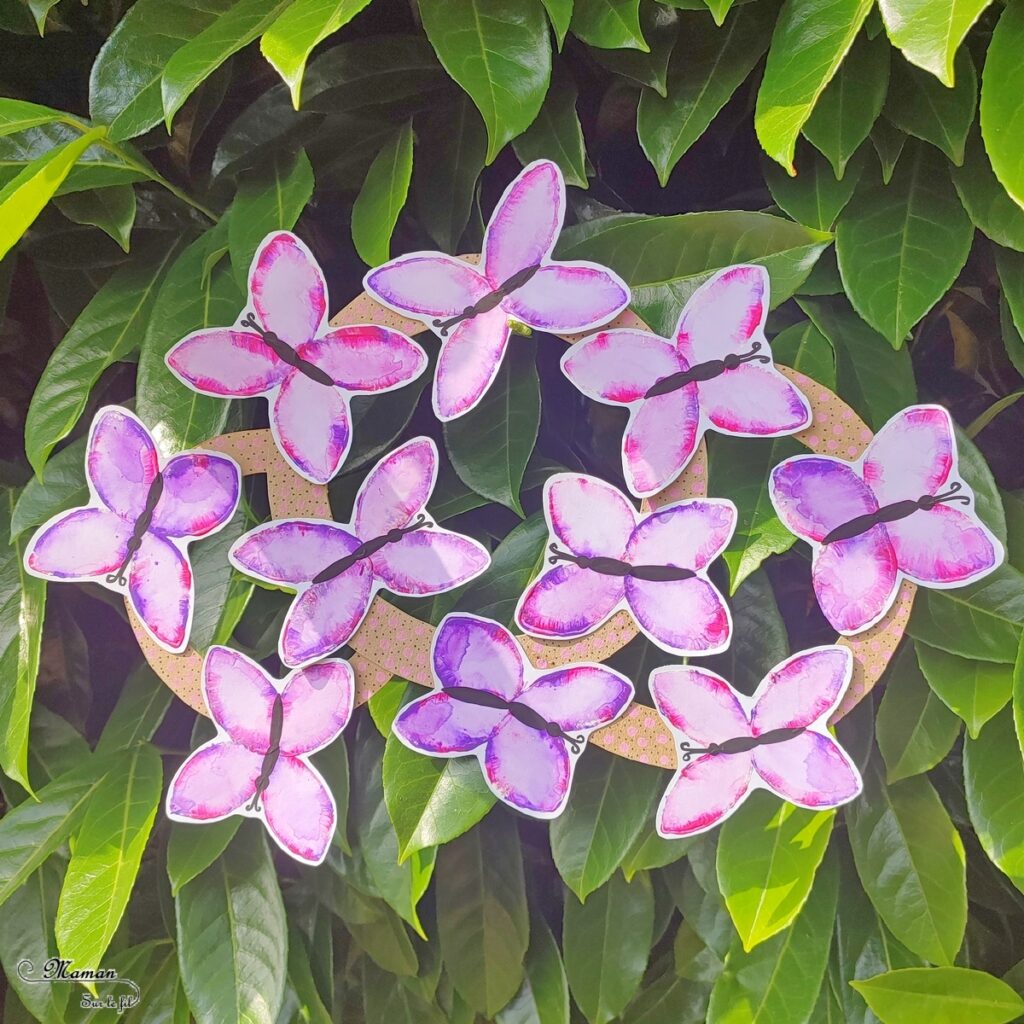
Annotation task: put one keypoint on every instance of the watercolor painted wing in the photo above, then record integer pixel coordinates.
(240, 697)
(397, 489)
(618, 367)
(528, 769)
(200, 494)
(579, 698)
(567, 297)
(299, 810)
(802, 690)
(427, 285)
(585, 517)
(365, 358)
(686, 616)
(226, 362)
(80, 544)
(429, 561)
(162, 591)
(215, 781)
(468, 363)
(318, 703)
(725, 317)
(121, 462)
(912, 457)
(855, 579)
(287, 289)
(312, 426)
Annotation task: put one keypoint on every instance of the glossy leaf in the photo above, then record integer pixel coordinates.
(232, 936)
(610, 24)
(191, 849)
(559, 14)
(24, 196)
(106, 331)
(943, 995)
(288, 43)
(992, 210)
(269, 199)
(815, 196)
(1002, 101)
(702, 76)
(911, 863)
(975, 690)
(914, 728)
(850, 105)
(779, 979)
(491, 445)
(810, 40)
(112, 210)
(994, 787)
(482, 920)
(803, 347)
(930, 34)
(22, 608)
(380, 200)
(543, 998)
(606, 942)
(901, 246)
(17, 115)
(660, 27)
(106, 855)
(140, 708)
(768, 854)
(888, 143)
(499, 53)
(556, 134)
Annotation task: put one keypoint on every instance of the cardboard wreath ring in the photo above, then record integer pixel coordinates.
(391, 642)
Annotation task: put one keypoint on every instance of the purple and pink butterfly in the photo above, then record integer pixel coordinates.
(730, 744)
(282, 348)
(527, 728)
(473, 309)
(258, 764)
(143, 512)
(336, 568)
(892, 514)
(715, 374)
(606, 556)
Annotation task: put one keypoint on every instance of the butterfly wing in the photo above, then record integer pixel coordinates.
(579, 698)
(568, 297)
(318, 703)
(240, 697)
(122, 461)
(396, 489)
(287, 288)
(914, 455)
(213, 782)
(325, 616)
(429, 561)
(427, 285)
(200, 494)
(528, 769)
(80, 544)
(469, 361)
(162, 591)
(299, 810)
(855, 580)
(366, 358)
(226, 361)
(588, 517)
(312, 427)
(290, 551)
(686, 616)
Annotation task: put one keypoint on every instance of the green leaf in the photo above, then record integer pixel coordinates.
(191, 849)
(1018, 696)
(665, 259)
(669, 1000)
(1010, 266)
(901, 246)
(851, 102)
(914, 728)
(941, 995)
(606, 811)
(779, 979)
(453, 138)
(179, 417)
(803, 347)
(288, 43)
(1002, 101)
(701, 78)
(975, 690)
(139, 710)
(17, 115)
(606, 942)
(768, 855)
(660, 27)
(543, 997)
(923, 107)
(556, 134)
(431, 801)
(876, 380)
(380, 200)
(930, 34)
(888, 143)
(124, 86)
(22, 608)
(559, 14)
(232, 936)
(24, 196)
(610, 24)
(482, 920)
(34, 829)
(111, 209)
(105, 332)
(390, 1000)
(499, 53)
(189, 65)
(814, 196)
(810, 40)
(994, 787)
(491, 445)
(268, 199)
(106, 855)
(981, 620)
(213, 620)
(911, 863)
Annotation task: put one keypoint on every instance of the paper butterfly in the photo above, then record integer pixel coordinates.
(731, 744)
(888, 515)
(142, 515)
(471, 310)
(526, 728)
(336, 568)
(717, 374)
(654, 565)
(283, 349)
(257, 765)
